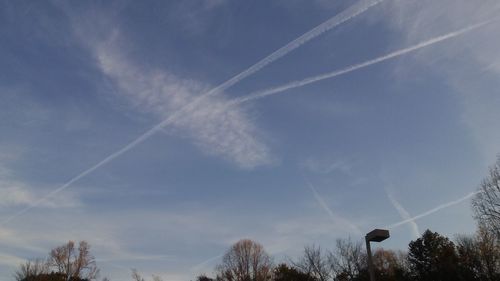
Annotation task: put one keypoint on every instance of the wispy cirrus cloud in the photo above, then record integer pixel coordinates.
(217, 130)
(214, 127)
(332, 166)
(111, 243)
(10, 260)
(321, 166)
(329, 75)
(139, 238)
(194, 17)
(18, 192)
(17, 240)
(470, 67)
(83, 31)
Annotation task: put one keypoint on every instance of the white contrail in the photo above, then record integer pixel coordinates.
(403, 213)
(295, 84)
(335, 218)
(336, 20)
(433, 210)
(313, 79)
(205, 263)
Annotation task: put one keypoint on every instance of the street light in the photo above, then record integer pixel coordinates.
(376, 235)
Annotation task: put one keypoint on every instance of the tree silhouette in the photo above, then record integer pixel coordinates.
(203, 277)
(390, 265)
(284, 272)
(314, 263)
(31, 269)
(53, 276)
(479, 256)
(486, 203)
(65, 263)
(433, 257)
(246, 260)
(74, 262)
(348, 260)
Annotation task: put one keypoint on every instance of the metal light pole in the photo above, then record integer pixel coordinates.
(376, 235)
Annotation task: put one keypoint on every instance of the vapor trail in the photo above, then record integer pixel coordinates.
(335, 218)
(336, 20)
(205, 263)
(313, 79)
(433, 210)
(403, 213)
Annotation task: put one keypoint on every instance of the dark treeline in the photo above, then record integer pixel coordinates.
(432, 257)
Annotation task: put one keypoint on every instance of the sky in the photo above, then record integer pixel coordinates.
(161, 132)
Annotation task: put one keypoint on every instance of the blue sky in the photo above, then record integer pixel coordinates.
(112, 132)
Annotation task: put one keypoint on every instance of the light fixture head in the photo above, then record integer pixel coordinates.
(377, 235)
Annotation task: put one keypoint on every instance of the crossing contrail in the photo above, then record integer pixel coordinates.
(336, 20)
(433, 210)
(403, 213)
(317, 78)
(300, 83)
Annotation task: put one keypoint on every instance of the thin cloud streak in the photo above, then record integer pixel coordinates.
(335, 218)
(228, 133)
(313, 79)
(311, 34)
(403, 213)
(433, 210)
(10, 260)
(204, 264)
(335, 21)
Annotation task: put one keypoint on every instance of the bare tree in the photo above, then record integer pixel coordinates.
(486, 203)
(74, 262)
(31, 269)
(347, 260)
(314, 263)
(390, 265)
(246, 260)
(136, 276)
(479, 256)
